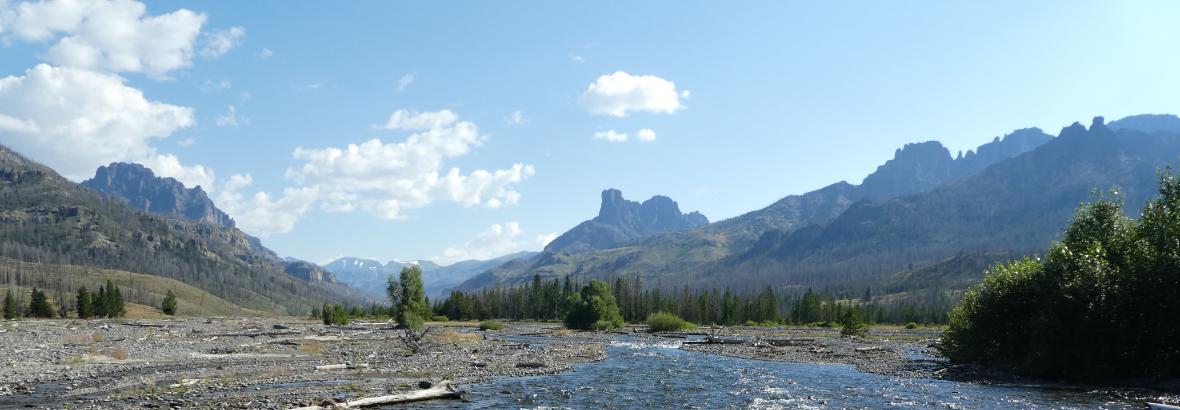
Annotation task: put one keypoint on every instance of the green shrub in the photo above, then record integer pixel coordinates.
(750, 323)
(491, 325)
(594, 308)
(168, 306)
(1101, 305)
(440, 318)
(667, 322)
(911, 325)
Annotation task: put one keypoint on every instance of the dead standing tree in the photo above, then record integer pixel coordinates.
(413, 340)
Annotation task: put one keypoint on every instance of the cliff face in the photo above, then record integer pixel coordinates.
(143, 190)
(620, 220)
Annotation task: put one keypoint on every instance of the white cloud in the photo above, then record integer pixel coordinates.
(245, 96)
(610, 135)
(168, 165)
(261, 214)
(618, 93)
(498, 240)
(385, 179)
(265, 53)
(576, 58)
(646, 134)
(219, 42)
(413, 120)
(230, 119)
(516, 118)
(405, 81)
(187, 142)
(544, 239)
(75, 120)
(113, 36)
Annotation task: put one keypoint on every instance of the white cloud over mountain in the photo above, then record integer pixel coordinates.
(379, 177)
(75, 120)
(497, 240)
(619, 93)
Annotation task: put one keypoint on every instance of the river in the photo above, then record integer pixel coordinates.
(660, 375)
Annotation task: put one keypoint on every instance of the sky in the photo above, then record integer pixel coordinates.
(456, 130)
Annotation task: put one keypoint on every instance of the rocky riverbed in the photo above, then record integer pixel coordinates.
(256, 363)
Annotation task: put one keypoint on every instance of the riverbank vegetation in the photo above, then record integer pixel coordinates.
(1102, 305)
(553, 300)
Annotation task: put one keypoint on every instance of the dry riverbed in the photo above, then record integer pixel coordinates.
(256, 363)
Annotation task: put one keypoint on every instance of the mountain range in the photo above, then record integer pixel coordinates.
(369, 276)
(923, 213)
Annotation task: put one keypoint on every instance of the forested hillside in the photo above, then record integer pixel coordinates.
(47, 219)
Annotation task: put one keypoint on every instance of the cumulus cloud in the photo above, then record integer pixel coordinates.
(219, 42)
(168, 165)
(260, 213)
(386, 178)
(610, 135)
(544, 239)
(646, 134)
(498, 240)
(619, 93)
(76, 120)
(265, 53)
(107, 35)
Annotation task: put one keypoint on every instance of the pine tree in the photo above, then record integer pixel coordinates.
(39, 305)
(98, 302)
(168, 306)
(10, 310)
(117, 309)
(83, 304)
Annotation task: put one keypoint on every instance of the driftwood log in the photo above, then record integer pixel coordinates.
(443, 390)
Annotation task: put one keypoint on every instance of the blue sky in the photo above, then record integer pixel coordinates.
(766, 99)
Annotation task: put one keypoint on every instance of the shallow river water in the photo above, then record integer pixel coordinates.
(647, 375)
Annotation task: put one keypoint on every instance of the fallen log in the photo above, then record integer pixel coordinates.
(715, 341)
(143, 324)
(443, 390)
(349, 366)
(789, 342)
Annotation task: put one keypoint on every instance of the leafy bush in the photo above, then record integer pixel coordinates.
(1101, 306)
(911, 325)
(750, 323)
(491, 325)
(667, 322)
(594, 308)
(440, 318)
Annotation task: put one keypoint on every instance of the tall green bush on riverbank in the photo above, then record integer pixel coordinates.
(409, 298)
(594, 309)
(1104, 303)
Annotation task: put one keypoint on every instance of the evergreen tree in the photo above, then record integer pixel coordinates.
(315, 313)
(39, 305)
(412, 309)
(98, 302)
(83, 304)
(10, 309)
(115, 307)
(168, 306)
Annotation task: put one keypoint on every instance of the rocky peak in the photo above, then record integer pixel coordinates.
(308, 272)
(620, 220)
(142, 189)
(1148, 123)
(914, 168)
